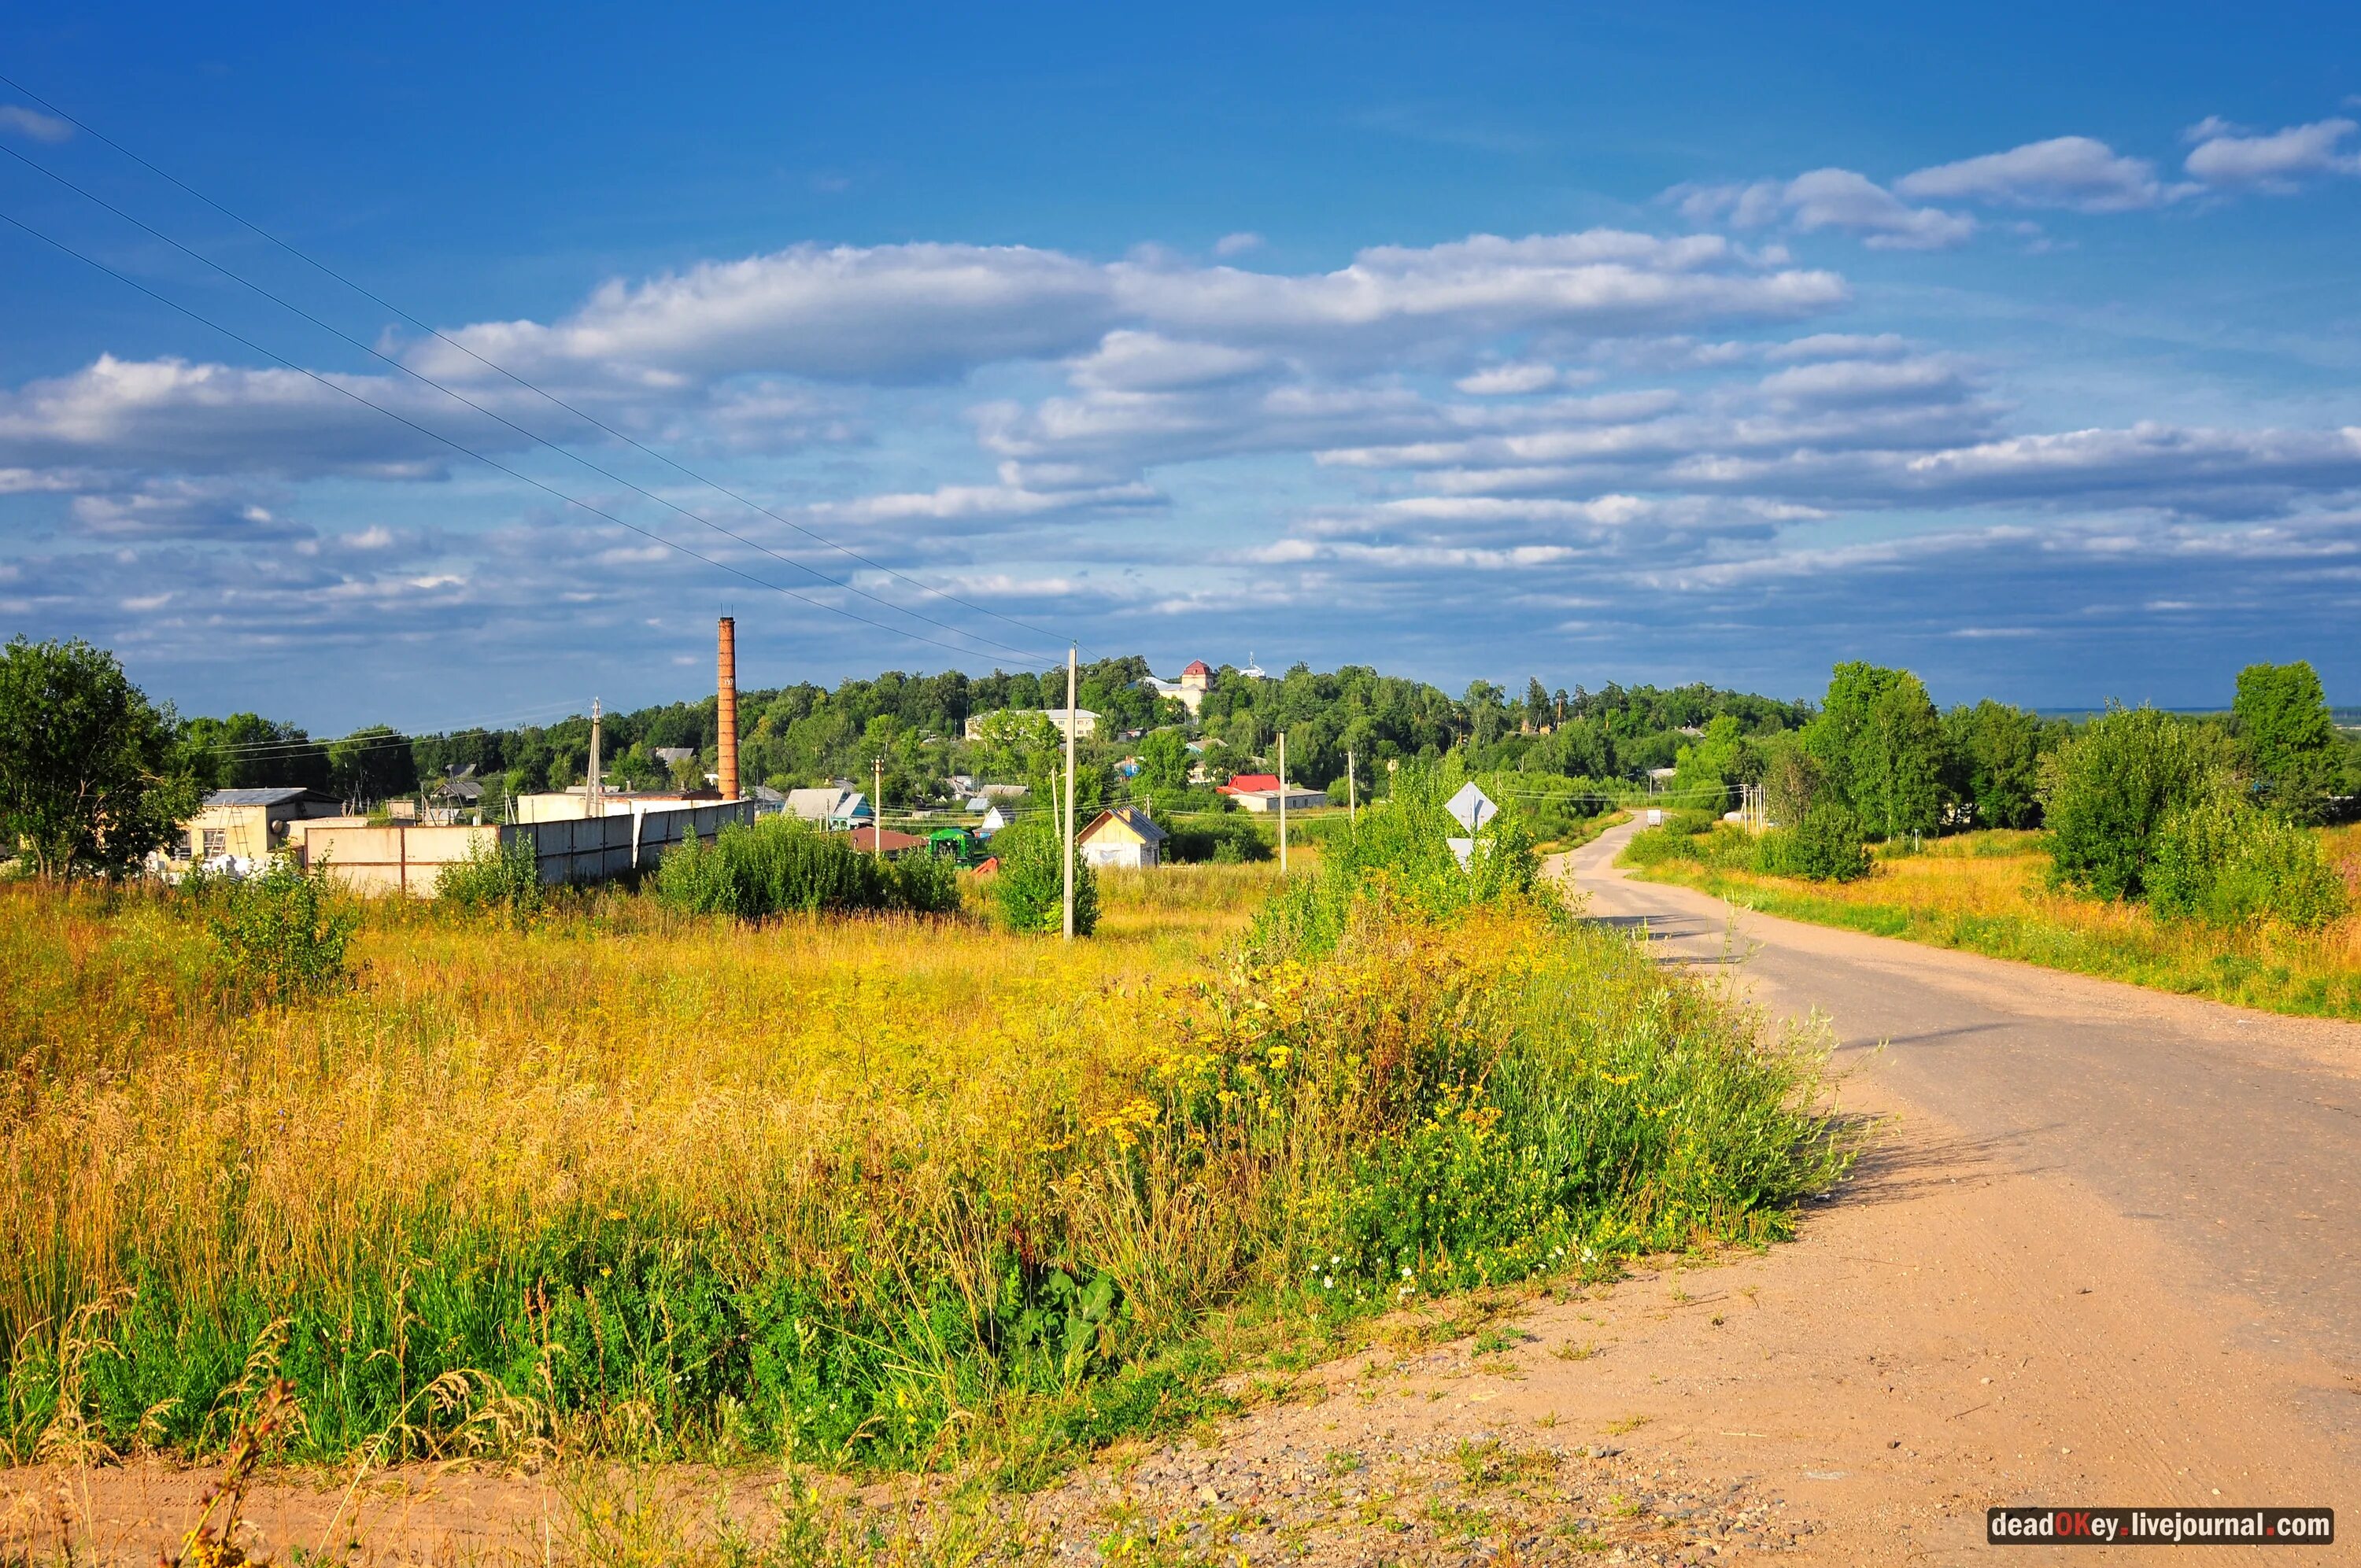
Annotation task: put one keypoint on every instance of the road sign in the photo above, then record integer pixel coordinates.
(1471, 808)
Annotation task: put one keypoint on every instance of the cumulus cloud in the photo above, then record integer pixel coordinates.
(170, 413)
(1838, 199)
(2224, 155)
(2076, 172)
(1237, 243)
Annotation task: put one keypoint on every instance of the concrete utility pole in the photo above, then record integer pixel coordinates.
(592, 795)
(1352, 794)
(877, 809)
(1066, 839)
(1282, 803)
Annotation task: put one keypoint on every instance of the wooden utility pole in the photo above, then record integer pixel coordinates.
(1066, 839)
(877, 809)
(1282, 803)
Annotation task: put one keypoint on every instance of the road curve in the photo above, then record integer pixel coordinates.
(2234, 1137)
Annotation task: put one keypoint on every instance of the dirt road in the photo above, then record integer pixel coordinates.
(2111, 1251)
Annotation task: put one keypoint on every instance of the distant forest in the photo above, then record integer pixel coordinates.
(805, 733)
(1910, 767)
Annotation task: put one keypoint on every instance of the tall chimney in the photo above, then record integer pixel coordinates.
(727, 718)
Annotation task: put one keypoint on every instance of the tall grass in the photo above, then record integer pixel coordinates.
(1990, 892)
(875, 1191)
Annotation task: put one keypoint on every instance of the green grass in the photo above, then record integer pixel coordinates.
(1987, 892)
(883, 1193)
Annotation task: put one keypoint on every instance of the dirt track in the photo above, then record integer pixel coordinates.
(2108, 1250)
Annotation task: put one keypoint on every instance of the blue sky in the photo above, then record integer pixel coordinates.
(2017, 346)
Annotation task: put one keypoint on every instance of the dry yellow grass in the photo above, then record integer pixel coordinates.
(1988, 893)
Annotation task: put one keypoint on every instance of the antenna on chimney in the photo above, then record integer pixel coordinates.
(726, 714)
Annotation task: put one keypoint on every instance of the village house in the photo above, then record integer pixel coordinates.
(249, 825)
(1086, 722)
(886, 841)
(830, 806)
(1122, 838)
(1259, 792)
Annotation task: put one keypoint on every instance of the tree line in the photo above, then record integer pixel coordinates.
(1874, 748)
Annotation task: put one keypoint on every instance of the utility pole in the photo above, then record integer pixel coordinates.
(1352, 794)
(1282, 803)
(1066, 839)
(877, 809)
(593, 797)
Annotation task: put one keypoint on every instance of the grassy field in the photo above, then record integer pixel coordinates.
(1988, 892)
(878, 1193)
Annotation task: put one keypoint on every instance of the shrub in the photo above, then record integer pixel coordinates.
(1826, 846)
(781, 866)
(2106, 793)
(1028, 889)
(1220, 840)
(923, 884)
(1403, 841)
(280, 935)
(2227, 863)
(496, 876)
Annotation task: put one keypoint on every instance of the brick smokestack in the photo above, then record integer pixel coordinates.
(727, 718)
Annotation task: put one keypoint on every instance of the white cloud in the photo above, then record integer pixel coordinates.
(1509, 380)
(1828, 199)
(2078, 172)
(1838, 346)
(2225, 156)
(1130, 361)
(33, 122)
(1850, 381)
(1237, 243)
(169, 413)
(911, 312)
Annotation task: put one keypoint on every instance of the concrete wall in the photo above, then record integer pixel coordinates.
(407, 858)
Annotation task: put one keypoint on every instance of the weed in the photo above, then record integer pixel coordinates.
(1491, 1462)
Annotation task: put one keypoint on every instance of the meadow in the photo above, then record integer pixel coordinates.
(881, 1193)
(1988, 893)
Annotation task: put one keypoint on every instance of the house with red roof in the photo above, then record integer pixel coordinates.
(1259, 792)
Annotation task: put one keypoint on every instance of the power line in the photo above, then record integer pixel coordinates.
(562, 451)
(384, 303)
(470, 451)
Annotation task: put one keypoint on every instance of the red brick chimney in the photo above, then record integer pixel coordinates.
(727, 718)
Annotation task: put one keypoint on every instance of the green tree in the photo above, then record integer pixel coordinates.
(375, 763)
(2286, 738)
(247, 750)
(1723, 756)
(1995, 758)
(89, 777)
(1880, 746)
(2107, 792)
(1164, 762)
(1028, 888)
(1897, 772)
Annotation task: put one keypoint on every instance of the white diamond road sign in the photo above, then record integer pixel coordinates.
(1471, 808)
